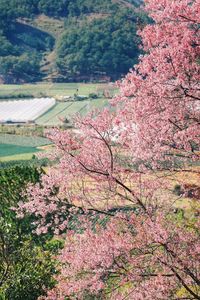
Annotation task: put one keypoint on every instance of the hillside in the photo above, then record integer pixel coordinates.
(65, 40)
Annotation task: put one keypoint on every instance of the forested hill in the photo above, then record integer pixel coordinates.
(68, 40)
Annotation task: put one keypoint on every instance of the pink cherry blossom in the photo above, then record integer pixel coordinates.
(123, 157)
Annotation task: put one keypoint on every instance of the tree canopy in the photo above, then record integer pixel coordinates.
(83, 50)
(26, 263)
(106, 45)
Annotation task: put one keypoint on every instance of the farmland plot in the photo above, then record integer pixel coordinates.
(54, 89)
(14, 147)
(67, 110)
(7, 150)
(25, 141)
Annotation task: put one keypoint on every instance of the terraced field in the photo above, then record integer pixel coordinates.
(67, 110)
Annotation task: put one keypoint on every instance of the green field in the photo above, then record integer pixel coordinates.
(25, 141)
(55, 89)
(13, 147)
(7, 150)
(67, 110)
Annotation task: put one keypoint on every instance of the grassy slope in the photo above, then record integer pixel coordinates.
(55, 28)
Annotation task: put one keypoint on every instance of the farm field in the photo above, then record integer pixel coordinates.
(67, 110)
(25, 141)
(13, 147)
(15, 152)
(54, 89)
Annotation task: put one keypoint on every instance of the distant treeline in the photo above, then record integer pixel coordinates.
(58, 8)
(99, 39)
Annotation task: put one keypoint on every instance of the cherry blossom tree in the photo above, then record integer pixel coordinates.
(123, 157)
(134, 258)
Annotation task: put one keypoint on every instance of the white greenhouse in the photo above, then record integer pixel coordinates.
(24, 111)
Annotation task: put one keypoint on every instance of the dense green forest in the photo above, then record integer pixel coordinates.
(95, 39)
(26, 262)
